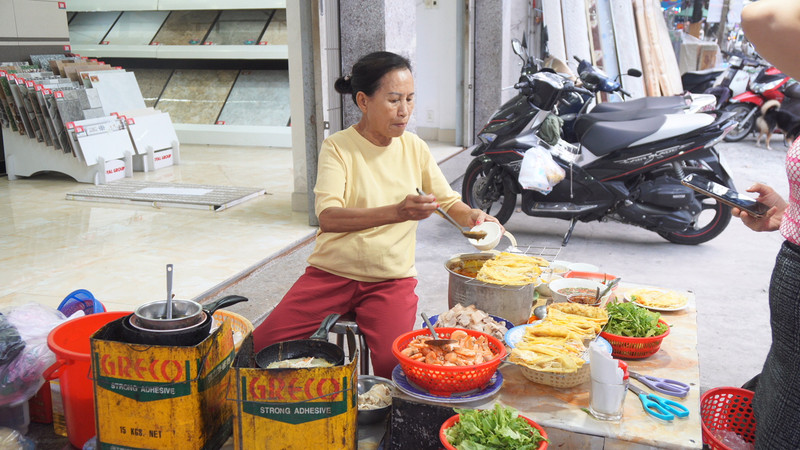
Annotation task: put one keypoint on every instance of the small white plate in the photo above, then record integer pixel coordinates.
(627, 298)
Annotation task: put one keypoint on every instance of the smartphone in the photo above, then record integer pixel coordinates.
(725, 195)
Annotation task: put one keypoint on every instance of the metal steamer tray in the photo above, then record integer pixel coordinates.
(509, 302)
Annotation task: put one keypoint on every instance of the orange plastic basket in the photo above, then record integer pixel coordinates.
(727, 408)
(453, 420)
(634, 348)
(448, 380)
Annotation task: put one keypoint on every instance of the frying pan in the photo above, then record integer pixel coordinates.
(316, 346)
(182, 337)
(151, 316)
(186, 313)
(190, 335)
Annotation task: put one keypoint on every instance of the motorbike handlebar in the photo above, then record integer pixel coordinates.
(581, 90)
(625, 93)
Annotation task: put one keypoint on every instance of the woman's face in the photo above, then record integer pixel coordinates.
(386, 112)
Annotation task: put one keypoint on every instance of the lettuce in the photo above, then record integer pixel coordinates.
(498, 428)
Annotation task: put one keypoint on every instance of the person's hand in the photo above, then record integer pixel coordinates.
(417, 207)
(478, 216)
(772, 219)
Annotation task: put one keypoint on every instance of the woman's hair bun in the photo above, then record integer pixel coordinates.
(343, 85)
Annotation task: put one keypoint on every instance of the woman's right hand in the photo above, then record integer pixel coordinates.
(772, 219)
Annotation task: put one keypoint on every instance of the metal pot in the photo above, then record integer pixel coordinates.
(512, 303)
(185, 313)
(316, 346)
(189, 336)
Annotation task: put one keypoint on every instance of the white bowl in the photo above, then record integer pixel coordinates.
(566, 283)
(493, 234)
(583, 267)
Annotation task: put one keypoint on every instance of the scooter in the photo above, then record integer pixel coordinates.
(735, 78)
(769, 84)
(519, 112)
(625, 170)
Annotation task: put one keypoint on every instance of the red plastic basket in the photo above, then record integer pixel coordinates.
(453, 420)
(634, 348)
(448, 380)
(727, 408)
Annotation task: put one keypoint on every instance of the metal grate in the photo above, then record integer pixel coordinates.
(195, 196)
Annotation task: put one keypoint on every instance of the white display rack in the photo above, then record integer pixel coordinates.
(156, 159)
(26, 157)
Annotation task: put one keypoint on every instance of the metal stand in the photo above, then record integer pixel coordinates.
(572, 223)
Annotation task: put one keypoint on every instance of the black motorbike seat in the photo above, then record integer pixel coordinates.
(586, 121)
(604, 137)
(672, 102)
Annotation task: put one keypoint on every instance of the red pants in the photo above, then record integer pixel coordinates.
(384, 310)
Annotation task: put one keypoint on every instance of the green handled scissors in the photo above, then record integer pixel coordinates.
(658, 406)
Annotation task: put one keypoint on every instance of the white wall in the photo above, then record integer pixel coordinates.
(435, 66)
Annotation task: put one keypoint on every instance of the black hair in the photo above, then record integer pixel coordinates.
(367, 73)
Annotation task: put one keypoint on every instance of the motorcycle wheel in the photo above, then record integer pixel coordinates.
(481, 191)
(740, 111)
(712, 220)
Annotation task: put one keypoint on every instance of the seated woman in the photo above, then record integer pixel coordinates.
(363, 259)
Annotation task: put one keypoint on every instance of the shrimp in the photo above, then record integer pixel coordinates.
(459, 335)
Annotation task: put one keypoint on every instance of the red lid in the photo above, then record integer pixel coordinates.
(624, 366)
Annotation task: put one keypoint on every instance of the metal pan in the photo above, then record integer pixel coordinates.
(182, 337)
(316, 346)
(185, 313)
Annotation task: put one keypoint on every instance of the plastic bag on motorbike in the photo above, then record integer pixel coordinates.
(539, 172)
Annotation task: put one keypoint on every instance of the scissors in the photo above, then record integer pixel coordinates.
(658, 406)
(662, 385)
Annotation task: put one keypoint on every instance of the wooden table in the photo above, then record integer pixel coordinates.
(560, 411)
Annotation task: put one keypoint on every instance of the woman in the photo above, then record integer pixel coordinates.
(773, 26)
(363, 259)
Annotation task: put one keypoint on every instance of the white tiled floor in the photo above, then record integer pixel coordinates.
(50, 246)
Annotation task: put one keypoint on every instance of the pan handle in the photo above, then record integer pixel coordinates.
(223, 302)
(322, 333)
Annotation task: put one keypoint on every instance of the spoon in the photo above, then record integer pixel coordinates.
(169, 292)
(541, 311)
(436, 341)
(477, 235)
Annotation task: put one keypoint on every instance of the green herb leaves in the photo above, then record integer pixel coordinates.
(498, 428)
(631, 320)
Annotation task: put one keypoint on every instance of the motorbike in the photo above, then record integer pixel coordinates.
(595, 82)
(624, 167)
(734, 79)
(769, 84)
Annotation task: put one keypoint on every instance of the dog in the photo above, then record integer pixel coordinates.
(789, 123)
(767, 121)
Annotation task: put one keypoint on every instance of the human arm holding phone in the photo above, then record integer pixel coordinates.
(771, 221)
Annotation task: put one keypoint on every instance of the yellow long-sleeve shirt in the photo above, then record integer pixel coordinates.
(354, 173)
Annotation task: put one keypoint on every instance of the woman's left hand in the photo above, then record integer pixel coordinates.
(478, 216)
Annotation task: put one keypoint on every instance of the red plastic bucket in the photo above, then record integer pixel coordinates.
(70, 342)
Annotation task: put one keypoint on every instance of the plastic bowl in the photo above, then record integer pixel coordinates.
(370, 416)
(558, 287)
(453, 420)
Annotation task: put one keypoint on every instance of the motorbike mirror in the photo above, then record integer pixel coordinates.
(635, 73)
(516, 45)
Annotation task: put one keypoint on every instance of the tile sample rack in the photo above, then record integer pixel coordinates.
(239, 35)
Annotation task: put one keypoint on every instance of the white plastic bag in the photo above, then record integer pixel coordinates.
(539, 172)
(22, 377)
